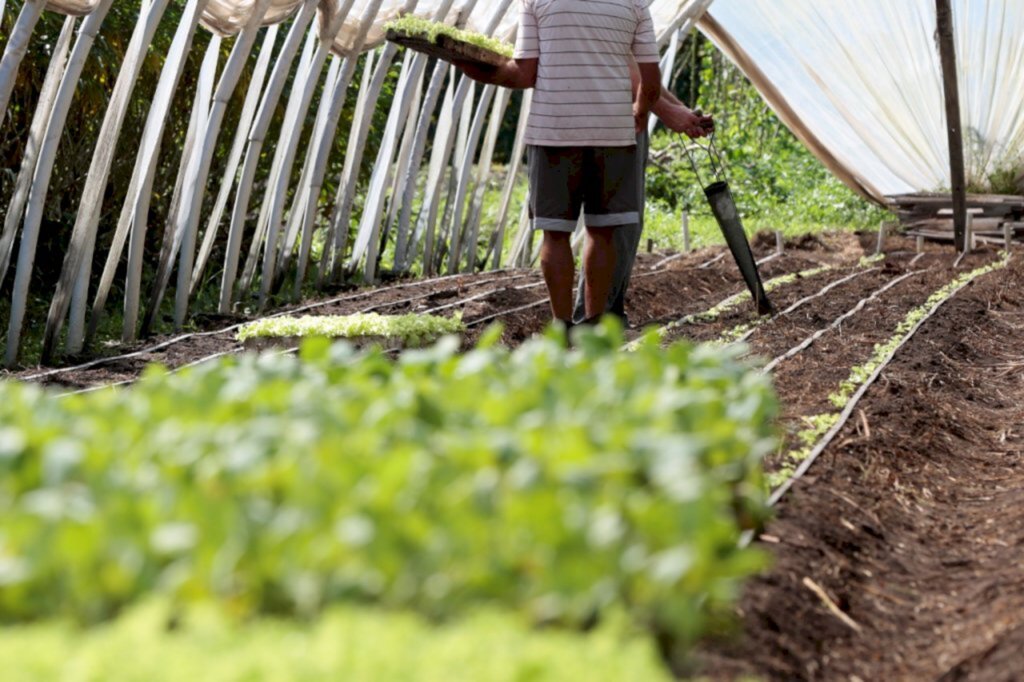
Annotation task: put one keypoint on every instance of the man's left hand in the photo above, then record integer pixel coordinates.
(683, 120)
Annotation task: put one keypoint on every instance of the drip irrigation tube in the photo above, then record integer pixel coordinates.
(809, 341)
(320, 304)
(752, 327)
(651, 273)
(734, 300)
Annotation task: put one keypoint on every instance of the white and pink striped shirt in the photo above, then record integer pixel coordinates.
(584, 94)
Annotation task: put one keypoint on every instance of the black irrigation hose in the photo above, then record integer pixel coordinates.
(319, 304)
(420, 297)
(128, 382)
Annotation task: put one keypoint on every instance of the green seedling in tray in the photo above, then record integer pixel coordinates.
(389, 330)
(447, 42)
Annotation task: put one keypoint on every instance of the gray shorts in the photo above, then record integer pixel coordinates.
(601, 182)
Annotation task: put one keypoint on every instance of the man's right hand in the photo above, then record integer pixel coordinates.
(476, 71)
(648, 94)
(641, 118)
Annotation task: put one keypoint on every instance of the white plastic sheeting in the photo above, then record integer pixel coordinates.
(468, 13)
(863, 83)
(72, 8)
(476, 15)
(228, 17)
(675, 15)
(352, 30)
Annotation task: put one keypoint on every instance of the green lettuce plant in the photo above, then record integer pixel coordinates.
(557, 483)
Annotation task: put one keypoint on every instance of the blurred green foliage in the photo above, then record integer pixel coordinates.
(558, 483)
(355, 644)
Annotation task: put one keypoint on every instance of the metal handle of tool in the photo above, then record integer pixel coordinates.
(711, 149)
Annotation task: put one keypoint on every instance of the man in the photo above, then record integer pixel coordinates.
(677, 117)
(581, 134)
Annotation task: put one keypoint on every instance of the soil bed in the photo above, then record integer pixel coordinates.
(911, 523)
(661, 291)
(828, 306)
(827, 362)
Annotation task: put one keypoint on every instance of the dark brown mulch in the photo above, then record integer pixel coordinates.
(704, 330)
(912, 523)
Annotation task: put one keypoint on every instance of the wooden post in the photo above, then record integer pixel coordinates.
(881, 237)
(780, 243)
(920, 244)
(1007, 236)
(650, 246)
(686, 232)
(958, 176)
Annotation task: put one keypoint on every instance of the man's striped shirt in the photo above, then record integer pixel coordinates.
(584, 94)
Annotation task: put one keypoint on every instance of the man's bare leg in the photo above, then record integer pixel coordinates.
(599, 269)
(559, 270)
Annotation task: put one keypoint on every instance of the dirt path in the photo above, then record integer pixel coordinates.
(912, 524)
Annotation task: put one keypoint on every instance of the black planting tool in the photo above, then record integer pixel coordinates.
(723, 205)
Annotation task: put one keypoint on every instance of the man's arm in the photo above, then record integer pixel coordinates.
(673, 113)
(518, 74)
(648, 93)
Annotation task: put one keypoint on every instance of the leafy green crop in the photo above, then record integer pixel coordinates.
(412, 330)
(559, 483)
(432, 30)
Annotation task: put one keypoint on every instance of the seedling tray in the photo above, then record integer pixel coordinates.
(446, 48)
(385, 343)
(263, 343)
